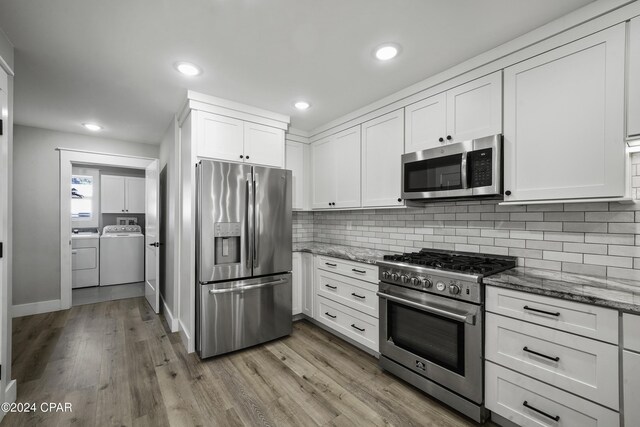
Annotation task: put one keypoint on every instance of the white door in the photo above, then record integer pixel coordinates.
(112, 199)
(5, 358)
(382, 148)
(263, 145)
(633, 109)
(135, 195)
(346, 157)
(220, 137)
(152, 237)
(294, 161)
(323, 171)
(426, 123)
(564, 121)
(474, 109)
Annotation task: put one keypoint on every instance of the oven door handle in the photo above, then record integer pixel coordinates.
(466, 318)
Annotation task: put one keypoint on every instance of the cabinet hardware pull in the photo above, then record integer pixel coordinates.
(247, 157)
(355, 327)
(241, 156)
(327, 313)
(526, 307)
(441, 139)
(399, 200)
(449, 138)
(555, 359)
(358, 271)
(331, 265)
(526, 405)
(357, 296)
(331, 287)
(508, 193)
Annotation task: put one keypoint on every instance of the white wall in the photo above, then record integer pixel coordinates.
(169, 158)
(6, 50)
(36, 205)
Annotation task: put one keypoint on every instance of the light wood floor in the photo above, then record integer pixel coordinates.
(118, 365)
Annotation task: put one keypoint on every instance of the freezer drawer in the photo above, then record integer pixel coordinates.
(243, 313)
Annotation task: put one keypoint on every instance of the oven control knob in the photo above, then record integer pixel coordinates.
(394, 276)
(385, 274)
(454, 289)
(405, 279)
(415, 281)
(426, 283)
(441, 286)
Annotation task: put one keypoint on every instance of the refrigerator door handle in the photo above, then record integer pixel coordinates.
(256, 226)
(246, 288)
(248, 237)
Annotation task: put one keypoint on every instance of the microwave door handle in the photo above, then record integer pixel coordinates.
(463, 170)
(466, 318)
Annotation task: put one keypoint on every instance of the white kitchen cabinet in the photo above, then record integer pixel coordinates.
(307, 290)
(633, 96)
(564, 121)
(231, 139)
(382, 148)
(631, 387)
(472, 110)
(296, 160)
(296, 283)
(120, 194)
(336, 170)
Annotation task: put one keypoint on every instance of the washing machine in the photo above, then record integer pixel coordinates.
(121, 255)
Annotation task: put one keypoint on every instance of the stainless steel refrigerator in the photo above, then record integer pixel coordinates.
(243, 253)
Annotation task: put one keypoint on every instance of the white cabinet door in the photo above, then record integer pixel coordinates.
(296, 284)
(135, 197)
(564, 121)
(633, 108)
(307, 290)
(324, 174)
(346, 155)
(474, 109)
(112, 194)
(295, 162)
(382, 148)
(220, 137)
(631, 387)
(425, 123)
(263, 145)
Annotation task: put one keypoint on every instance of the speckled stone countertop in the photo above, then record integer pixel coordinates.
(351, 253)
(607, 292)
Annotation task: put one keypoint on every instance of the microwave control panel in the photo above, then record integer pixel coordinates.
(480, 168)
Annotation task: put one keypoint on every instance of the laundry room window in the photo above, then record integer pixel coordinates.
(84, 197)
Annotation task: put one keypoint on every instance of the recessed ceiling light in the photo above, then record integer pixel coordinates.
(302, 105)
(92, 127)
(386, 52)
(188, 69)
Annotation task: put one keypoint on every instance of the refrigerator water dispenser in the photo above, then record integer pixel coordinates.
(227, 242)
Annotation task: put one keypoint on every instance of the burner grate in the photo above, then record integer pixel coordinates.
(455, 261)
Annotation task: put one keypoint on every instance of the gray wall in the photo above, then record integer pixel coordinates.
(36, 205)
(168, 158)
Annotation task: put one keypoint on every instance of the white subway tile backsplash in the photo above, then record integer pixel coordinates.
(562, 256)
(610, 261)
(585, 248)
(544, 245)
(609, 216)
(585, 227)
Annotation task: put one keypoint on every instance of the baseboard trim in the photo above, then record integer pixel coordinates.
(186, 338)
(36, 308)
(172, 322)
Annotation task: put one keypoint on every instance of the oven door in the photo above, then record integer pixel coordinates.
(436, 337)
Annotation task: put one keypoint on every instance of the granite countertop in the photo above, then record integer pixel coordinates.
(607, 292)
(351, 253)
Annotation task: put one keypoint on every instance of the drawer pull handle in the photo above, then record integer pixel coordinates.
(358, 271)
(331, 265)
(331, 287)
(355, 327)
(526, 405)
(330, 315)
(555, 359)
(357, 296)
(526, 307)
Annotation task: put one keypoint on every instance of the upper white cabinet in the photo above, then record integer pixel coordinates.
(336, 170)
(296, 160)
(382, 148)
(122, 194)
(633, 106)
(564, 121)
(472, 110)
(226, 138)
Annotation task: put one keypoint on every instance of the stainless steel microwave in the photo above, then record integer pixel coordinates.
(465, 169)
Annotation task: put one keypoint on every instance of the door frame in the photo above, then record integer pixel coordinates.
(69, 156)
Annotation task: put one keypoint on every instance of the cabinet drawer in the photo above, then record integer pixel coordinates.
(353, 293)
(353, 269)
(507, 391)
(576, 364)
(631, 331)
(355, 325)
(582, 319)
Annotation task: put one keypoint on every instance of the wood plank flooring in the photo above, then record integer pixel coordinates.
(118, 365)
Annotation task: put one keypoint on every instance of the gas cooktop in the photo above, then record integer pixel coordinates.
(460, 262)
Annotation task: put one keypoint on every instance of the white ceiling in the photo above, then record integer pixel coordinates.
(111, 62)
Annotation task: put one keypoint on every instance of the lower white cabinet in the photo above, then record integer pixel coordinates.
(296, 283)
(307, 290)
(528, 402)
(631, 387)
(349, 322)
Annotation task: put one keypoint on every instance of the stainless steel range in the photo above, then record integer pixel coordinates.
(431, 323)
